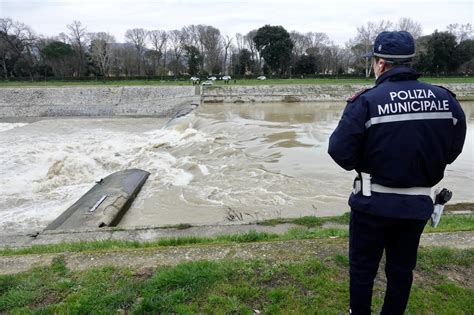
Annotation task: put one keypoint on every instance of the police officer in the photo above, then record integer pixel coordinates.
(399, 136)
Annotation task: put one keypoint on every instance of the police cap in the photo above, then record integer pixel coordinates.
(394, 46)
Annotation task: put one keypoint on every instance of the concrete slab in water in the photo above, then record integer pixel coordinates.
(103, 205)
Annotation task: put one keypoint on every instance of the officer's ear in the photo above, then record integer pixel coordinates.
(381, 64)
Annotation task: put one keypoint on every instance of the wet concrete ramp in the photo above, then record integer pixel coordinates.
(104, 204)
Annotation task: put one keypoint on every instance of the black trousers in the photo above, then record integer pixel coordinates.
(369, 235)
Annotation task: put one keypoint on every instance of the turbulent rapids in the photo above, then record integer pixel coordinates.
(221, 164)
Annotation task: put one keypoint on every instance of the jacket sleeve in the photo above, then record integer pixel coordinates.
(459, 133)
(347, 141)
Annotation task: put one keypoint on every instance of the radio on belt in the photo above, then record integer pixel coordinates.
(441, 198)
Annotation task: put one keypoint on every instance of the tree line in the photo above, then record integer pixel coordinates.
(203, 50)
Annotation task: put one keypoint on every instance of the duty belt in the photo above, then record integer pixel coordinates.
(363, 183)
(401, 191)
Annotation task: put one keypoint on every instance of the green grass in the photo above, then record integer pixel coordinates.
(436, 257)
(436, 80)
(306, 228)
(227, 287)
(452, 223)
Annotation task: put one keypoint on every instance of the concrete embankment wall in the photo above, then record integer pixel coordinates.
(95, 101)
(301, 93)
(166, 100)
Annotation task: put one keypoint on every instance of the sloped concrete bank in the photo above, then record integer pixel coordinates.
(301, 93)
(166, 100)
(95, 101)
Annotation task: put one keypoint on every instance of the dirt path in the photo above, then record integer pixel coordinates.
(461, 240)
(272, 251)
(145, 258)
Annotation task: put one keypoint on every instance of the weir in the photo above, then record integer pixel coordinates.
(104, 204)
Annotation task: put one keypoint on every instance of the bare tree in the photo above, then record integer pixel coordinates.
(300, 43)
(78, 39)
(317, 40)
(461, 31)
(123, 59)
(192, 35)
(210, 39)
(62, 37)
(198, 31)
(333, 57)
(177, 42)
(407, 24)
(227, 42)
(256, 60)
(366, 35)
(101, 51)
(158, 39)
(239, 39)
(347, 58)
(137, 37)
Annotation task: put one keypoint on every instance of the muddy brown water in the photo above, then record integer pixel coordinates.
(223, 164)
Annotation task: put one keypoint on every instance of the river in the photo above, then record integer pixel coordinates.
(222, 164)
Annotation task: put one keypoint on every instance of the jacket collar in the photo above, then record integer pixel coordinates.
(398, 74)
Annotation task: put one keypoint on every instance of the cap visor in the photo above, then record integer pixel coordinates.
(368, 55)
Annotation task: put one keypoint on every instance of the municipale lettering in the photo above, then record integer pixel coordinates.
(412, 101)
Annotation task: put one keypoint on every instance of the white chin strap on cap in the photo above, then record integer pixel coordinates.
(394, 56)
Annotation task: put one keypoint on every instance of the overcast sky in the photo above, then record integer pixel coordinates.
(337, 18)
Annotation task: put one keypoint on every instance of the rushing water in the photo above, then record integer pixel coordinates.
(221, 164)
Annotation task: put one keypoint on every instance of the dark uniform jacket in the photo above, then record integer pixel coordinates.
(403, 132)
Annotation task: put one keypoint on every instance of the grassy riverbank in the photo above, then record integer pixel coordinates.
(314, 285)
(363, 81)
(304, 271)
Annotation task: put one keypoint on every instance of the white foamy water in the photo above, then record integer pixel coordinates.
(47, 165)
(9, 126)
(223, 164)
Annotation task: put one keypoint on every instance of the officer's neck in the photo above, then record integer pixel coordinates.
(397, 73)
